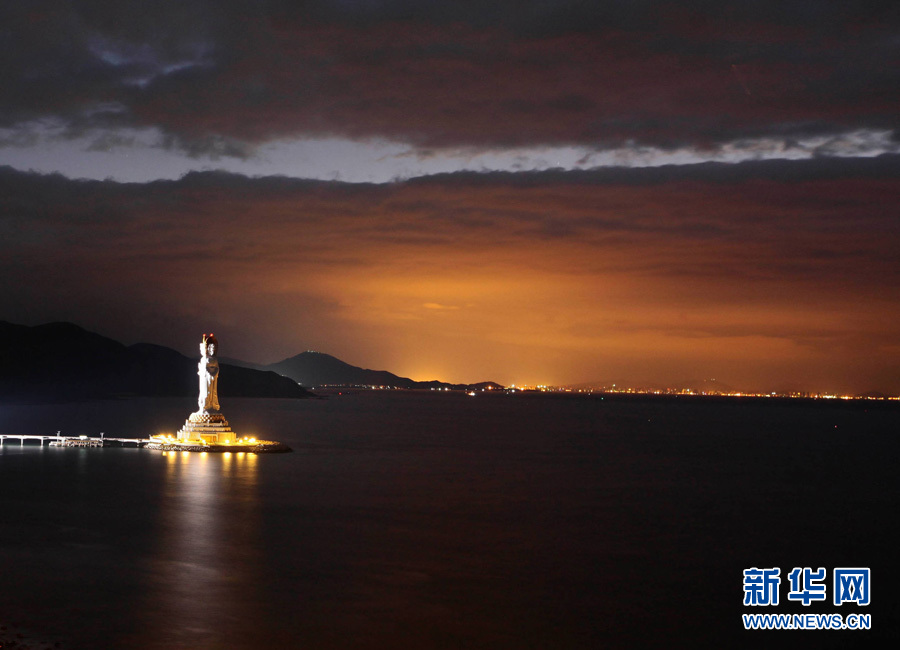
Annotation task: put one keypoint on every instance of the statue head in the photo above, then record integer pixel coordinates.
(209, 346)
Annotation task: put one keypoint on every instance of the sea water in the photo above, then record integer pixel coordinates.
(438, 520)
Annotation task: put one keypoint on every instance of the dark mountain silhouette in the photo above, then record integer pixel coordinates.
(319, 369)
(313, 369)
(62, 361)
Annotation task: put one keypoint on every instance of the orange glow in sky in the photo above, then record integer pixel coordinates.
(761, 283)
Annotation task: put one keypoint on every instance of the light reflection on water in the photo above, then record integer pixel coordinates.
(439, 521)
(201, 574)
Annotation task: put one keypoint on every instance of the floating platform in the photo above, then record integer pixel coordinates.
(256, 447)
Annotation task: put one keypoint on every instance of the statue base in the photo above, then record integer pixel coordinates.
(209, 426)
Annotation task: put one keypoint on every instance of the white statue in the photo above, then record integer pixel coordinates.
(208, 369)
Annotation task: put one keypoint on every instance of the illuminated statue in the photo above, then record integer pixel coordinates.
(208, 369)
(207, 426)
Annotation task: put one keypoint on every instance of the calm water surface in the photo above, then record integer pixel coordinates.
(409, 520)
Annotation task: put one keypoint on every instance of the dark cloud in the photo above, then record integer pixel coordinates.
(218, 77)
(210, 146)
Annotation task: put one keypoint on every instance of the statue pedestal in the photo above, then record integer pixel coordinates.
(209, 426)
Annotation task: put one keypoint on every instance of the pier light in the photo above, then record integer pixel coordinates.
(252, 439)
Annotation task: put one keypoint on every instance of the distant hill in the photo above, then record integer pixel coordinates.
(62, 361)
(318, 369)
(313, 369)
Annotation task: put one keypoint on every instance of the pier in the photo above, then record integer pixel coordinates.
(75, 441)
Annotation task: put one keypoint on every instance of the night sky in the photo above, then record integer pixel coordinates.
(530, 191)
